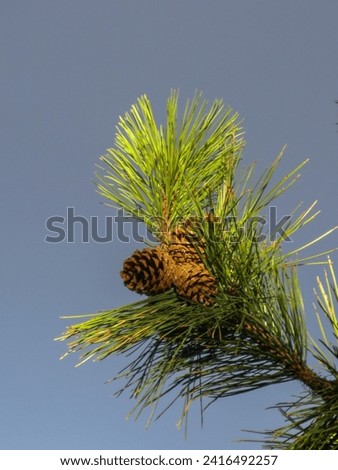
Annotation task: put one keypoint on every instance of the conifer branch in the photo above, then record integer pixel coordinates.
(292, 363)
(223, 312)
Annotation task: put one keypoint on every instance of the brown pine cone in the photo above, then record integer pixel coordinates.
(194, 282)
(148, 271)
(182, 247)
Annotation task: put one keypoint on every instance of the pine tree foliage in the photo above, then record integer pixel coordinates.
(223, 312)
(151, 170)
(312, 417)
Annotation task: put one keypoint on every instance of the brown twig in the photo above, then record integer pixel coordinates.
(290, 361)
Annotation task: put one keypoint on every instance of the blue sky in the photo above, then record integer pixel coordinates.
(68, 70)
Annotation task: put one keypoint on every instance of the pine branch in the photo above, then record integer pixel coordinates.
(224, 310)
(295, 365)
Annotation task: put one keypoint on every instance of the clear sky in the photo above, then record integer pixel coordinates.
(68, 70)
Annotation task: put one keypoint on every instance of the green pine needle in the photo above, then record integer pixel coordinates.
(151, 169)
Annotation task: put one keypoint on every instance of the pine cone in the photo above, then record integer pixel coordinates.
(147, 271)
(174, 263)
(194, 282)
(182, 247)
